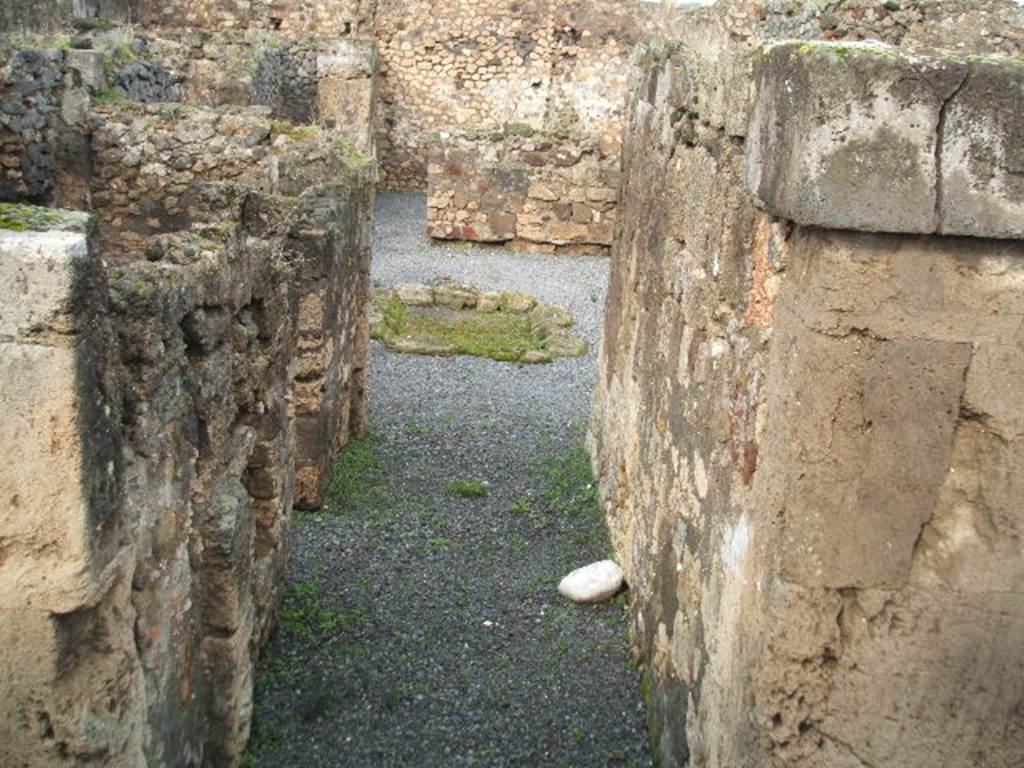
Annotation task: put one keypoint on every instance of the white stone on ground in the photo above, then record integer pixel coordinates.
(592, 583)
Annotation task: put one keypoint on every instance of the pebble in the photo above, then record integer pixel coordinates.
(592, 583)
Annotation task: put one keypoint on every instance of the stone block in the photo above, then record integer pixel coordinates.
(881, 416)
(455, 297)
(54, 502)
(982, 191)
(43, 514)
(347, 89)
(89, 66)
(415, 294)
(38, 276)
(846, 136)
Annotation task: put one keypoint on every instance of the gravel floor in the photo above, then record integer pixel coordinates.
(422, 628)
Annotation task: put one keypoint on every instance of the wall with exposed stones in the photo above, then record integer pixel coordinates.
(183, 368)
(47, 93)
(449, 71)
(468, 64)
(807, 429)
(293, 18)
(523, 189)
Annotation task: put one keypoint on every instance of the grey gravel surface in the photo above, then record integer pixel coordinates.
(423, 628)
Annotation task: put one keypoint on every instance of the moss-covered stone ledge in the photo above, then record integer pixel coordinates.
(462, 320)
(15, 217)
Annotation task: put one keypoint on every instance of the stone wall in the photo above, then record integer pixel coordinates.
(807, 436)
(43, 131)
(48, 90)
(468, 64)
(184, 369)
(293, 18)
(448, 72)
(523, 189)
(54, 15)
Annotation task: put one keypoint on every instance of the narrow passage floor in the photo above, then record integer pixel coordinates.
(421, 624)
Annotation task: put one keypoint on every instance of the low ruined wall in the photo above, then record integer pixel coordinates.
(185, 369)
(53, 15)
(328, 81)
(48, 89)
(530, 190)
(808, 437)
(294, 18)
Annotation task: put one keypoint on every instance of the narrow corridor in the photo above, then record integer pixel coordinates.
(421, 624)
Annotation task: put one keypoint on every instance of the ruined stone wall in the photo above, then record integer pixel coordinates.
(467, 64)
(532, 190)
(808, 437)
(293, 18)
(184, 370)
(43, 127)
(54, 15)
(48, 143)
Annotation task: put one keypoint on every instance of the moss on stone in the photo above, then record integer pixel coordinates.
(519, 129)
(351, 152)
(109, 96)
(516, 329)
(294, 131)
(32, 218)
(499, 336)
(653, 731)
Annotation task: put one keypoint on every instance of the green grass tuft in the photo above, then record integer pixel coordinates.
(467, 489)
(305, 615)
(357, 477)
(109, 97)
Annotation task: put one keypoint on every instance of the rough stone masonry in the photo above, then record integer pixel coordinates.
(808, 428)
(180, 370)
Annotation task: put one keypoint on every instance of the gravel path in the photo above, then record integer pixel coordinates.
(424, 628)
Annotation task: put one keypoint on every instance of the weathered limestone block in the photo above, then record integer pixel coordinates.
(63, 580)
(807, 442)
(846, 136)
(57, 493)
(876, 139)
(982, 191)
(916, 585)
(347, 89)
(89, 66)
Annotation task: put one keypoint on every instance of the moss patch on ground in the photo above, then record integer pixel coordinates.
(505, 336)
(467, 489)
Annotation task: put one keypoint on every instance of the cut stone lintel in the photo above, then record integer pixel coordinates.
(55, 492)
(878, 139)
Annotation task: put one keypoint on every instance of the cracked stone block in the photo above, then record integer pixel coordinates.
(845, 136)
(983, 153)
